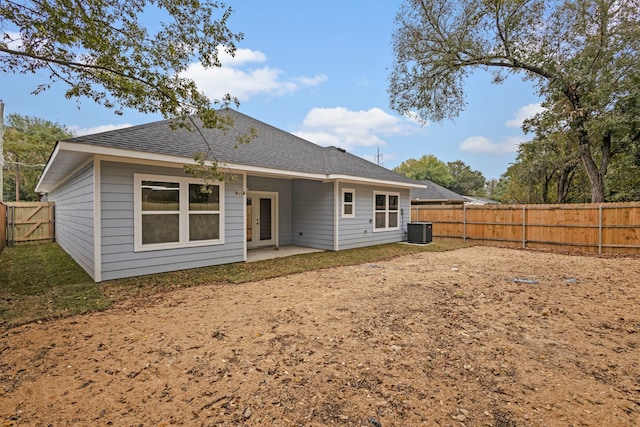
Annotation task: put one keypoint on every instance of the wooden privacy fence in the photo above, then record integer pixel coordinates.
(3, 226)
(30, 222)
(601, 228)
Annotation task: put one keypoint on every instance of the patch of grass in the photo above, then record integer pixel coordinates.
(41, 281)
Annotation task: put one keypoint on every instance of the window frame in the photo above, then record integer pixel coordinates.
(352, 203)
(183, 212)
(386, 211)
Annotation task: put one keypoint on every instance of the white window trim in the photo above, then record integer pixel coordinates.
(353, 203)
(386, 211)
(183, 213)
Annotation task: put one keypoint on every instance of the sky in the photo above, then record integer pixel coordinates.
(320, 70)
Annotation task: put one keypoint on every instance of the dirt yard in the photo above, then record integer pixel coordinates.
(473, 337)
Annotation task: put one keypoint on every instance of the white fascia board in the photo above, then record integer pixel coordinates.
(120, 152)
(363, 180)
(54, 154)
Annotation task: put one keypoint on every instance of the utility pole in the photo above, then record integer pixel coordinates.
(1, 149)
(378, 157)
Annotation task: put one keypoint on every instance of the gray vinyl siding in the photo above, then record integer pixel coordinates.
(283, 188)
(74, 215)
(117, 222)
(313, 214)
(358, 232)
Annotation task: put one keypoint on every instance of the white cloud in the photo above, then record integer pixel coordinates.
(526, 112)
(481, 144)
(242, 78)
(242, 56)
(348, 129)
(102, 128)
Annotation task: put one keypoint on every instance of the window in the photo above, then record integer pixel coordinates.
(204, 212)
(385, 213)
(348, 203)
(176, 212)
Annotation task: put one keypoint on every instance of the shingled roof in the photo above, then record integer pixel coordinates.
(435, 193)
(272, 148)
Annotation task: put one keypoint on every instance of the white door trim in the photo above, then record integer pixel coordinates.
(254, 195)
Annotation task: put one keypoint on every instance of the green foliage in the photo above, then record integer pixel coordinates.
(545, 171)
(496, 189)
(426, 167)
(455, 176)
(466, 181)
(28, 142)
(582, 56)
(623, 180)
(99, 49)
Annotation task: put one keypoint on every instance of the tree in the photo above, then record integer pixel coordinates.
(426, 167)
(495, 189)
(466, 181)
(623, 181)
(100, 50)
(545, 171)
(582, 56)
(551, 157)
(28, 142)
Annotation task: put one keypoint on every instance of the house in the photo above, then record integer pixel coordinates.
(473, 200)
(434, 194)
(125, 206)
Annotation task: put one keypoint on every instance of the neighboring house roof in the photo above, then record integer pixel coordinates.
(272, 150)
(479, 201)
(435, 193)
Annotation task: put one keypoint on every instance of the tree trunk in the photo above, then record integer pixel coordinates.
(595, 177)
(579, 125)
(545, 189)
(596, 180)
(564, 181)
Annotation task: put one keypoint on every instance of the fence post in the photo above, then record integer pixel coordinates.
(12, 228)
(524, 226)
(464, 223)
(600, 230)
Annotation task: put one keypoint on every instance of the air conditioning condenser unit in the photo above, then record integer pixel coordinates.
(419, 232)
